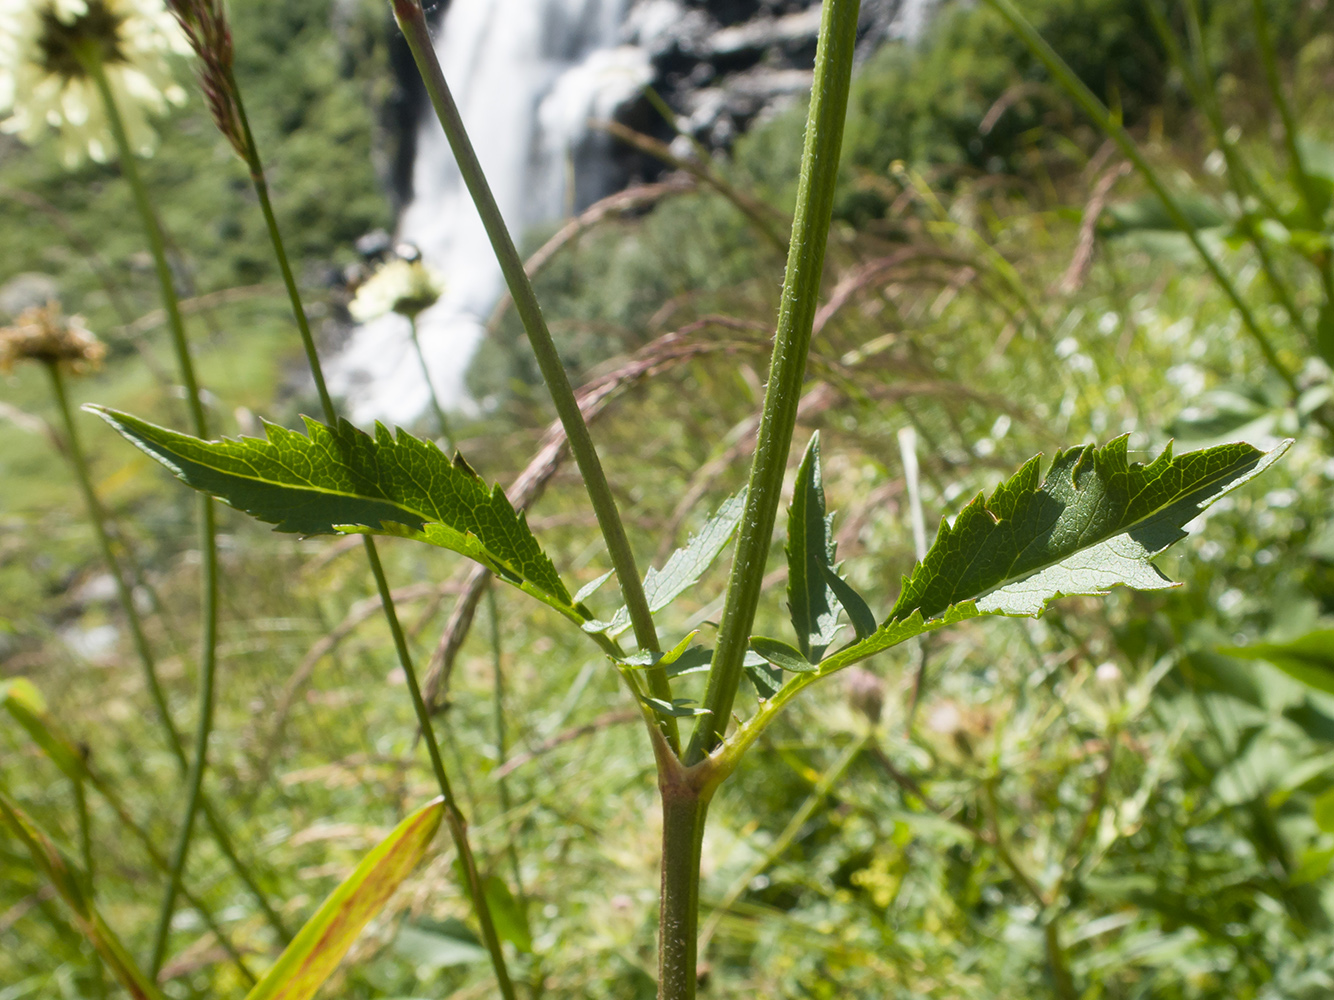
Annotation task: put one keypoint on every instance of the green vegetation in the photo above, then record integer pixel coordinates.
(1131, 796)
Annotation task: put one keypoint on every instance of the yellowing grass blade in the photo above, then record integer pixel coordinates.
(319, 946)
(66, 879)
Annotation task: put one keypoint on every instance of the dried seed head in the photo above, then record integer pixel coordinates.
(210, 36)
(42, 333)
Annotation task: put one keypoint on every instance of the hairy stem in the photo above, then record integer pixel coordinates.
(412, 22)
(801, 289)
(458, 826)
(207, 527)
(684, 810)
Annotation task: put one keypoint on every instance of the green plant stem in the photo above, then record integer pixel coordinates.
(203, 728)
(412, 22)
(458, 826)
(207, 527)
(97, 516)
(1239, 175)
(1305, 182)
(89, 874)
(1094, 108)
(801, 289)
(684, 811)
(441, 420)
(502, 749)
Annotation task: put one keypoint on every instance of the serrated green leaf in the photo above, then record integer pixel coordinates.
(1095, 522)
(781, 655)
(861, 616)
(810, 552)
(321, 944)
(1308, 658)
(340, 479)
(67, 880)
(684, 566)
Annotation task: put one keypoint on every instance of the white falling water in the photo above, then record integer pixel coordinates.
(527, 75)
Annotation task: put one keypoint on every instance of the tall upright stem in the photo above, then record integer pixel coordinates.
(412, 22)
(207, 527)
(684, 811)
(458, 826)
(801, 289)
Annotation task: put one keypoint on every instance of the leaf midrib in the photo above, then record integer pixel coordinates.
(1126, 529)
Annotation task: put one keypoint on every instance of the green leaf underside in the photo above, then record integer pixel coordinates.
(335, 480)
(684, 566)
(764, 676)
(1308, 658)
(863, 620)
(811, 602)
(677, 708)
(781, 655)
(1095, 522)
(321, 944)
(66, 878)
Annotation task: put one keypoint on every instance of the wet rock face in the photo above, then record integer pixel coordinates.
(723, 64)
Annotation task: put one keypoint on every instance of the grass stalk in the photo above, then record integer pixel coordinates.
(502, 748)
(441, 420)
(801, 289)
(454, 817)
(412, 22)
(1112, 128)
(207, 525)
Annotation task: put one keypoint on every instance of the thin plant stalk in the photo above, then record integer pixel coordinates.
(139, 639)
(1306, 183)
(687, 790)
(436, 408)
(498, 710)
(458, 826)
(801, 289)
(1109, 126)
(89, 874)
(207, 516)
(412, 22)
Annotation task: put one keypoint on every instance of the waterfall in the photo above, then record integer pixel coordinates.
(527, 75)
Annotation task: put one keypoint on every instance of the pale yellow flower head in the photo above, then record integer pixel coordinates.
(403, 286)
(45, 46)
(43, 333)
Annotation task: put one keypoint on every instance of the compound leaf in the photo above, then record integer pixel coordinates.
(340, 479)
(321, 944)
(1095, 522)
